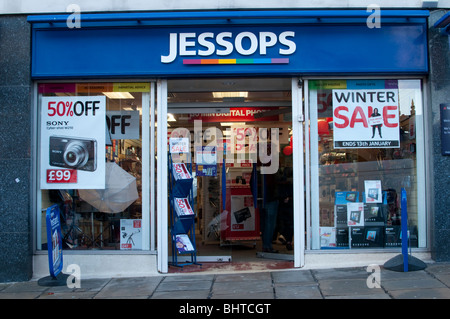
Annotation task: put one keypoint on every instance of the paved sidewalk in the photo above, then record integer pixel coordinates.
(345, 283)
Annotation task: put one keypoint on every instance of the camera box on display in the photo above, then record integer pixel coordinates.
(130, 234)
(341, 215)
(374, 213)
(392, 236)
(357, 238)
(363, 237)
(342, 199)
(342, 237)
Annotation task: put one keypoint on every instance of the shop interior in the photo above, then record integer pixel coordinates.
(235, 118)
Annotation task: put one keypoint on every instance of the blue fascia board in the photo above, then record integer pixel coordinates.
(100, 50)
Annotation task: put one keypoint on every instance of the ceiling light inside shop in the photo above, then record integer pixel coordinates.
(129, 108)
(221, 95)
(119, 95)
(171, 117)
(232, 123)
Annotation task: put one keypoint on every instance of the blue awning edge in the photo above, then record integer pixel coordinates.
(443, 23)
(228, 17)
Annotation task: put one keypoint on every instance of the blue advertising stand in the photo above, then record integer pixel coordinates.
(182, 227)
(405, 234)
(404, 262)
(54, 247)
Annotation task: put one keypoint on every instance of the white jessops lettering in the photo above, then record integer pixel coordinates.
(222, 44)
(173, 49)
(208, 45)
(290, 44)
(253, 43)
(266, 39)
(184, 43)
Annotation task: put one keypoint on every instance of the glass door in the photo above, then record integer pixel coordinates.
(241, 157)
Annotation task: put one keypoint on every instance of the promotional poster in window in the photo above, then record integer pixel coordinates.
(366, 118)
(73, 142)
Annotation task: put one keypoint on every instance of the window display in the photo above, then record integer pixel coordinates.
(366, 137)
(91, 163)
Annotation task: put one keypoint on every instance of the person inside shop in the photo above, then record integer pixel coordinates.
(286, 208)
(378, 126)
(271, 203)
(267, 186)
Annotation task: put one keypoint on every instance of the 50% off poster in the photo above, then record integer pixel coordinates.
(73, 142)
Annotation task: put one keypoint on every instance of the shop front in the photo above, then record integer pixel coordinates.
(179, 138)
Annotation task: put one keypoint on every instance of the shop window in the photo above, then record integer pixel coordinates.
(366, 146)
(90, 163)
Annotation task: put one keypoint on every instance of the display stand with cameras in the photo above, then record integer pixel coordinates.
(182, 215)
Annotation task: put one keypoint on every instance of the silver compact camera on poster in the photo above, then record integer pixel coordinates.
(73, 152)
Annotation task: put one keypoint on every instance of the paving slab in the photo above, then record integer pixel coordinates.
(20, 295)
(122, 297)
(297, 292)
(244, 277)
(68, 295)
(444, 278)
(242, 287)
(299, 277)
(340, 273)
(191, 294)
(25, 286)
(86, 285)
(240, 296)
(184, 285)
(371, 296)
(4, 286)
(409, 284)
(347, 287)
(438, 268)
(434, 293)
(188, 277)
(345, 283)
(397, 275)
(123, 287)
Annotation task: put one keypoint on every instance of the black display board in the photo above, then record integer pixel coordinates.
(445, 128)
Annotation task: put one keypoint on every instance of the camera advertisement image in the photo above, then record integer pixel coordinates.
(73, 142)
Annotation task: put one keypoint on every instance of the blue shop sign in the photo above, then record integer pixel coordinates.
(314, 48)
(54, 240)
